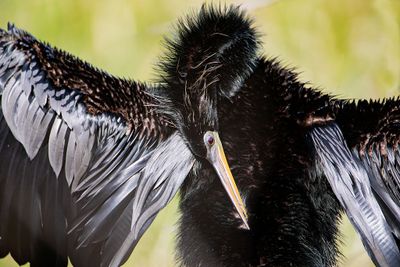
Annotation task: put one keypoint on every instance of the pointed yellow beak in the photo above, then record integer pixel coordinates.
(216, 156)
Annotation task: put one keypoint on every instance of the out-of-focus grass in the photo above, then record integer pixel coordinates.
(349, 48)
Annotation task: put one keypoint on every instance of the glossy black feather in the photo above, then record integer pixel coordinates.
(29, 192)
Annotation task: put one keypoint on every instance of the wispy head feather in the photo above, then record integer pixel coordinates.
(215, 48)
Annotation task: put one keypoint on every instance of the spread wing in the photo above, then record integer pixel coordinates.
(373, 132)
(359, 156)
(86, 162)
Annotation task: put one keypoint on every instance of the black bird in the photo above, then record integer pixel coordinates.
(87, 160)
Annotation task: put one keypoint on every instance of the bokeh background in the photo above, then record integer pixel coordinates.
(350, 48)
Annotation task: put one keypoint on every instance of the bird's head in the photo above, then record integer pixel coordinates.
(209, 60)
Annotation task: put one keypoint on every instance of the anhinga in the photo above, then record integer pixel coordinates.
(87, 160)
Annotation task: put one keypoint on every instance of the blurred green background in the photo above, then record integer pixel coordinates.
(347, 47)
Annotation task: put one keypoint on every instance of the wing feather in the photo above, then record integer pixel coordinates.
(82, 173)
(372, 130)
(58, 135)
(350, 181)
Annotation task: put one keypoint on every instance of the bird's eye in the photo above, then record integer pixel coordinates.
(209, 139)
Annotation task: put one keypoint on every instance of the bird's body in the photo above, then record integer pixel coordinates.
(100, 156)
(293, 215)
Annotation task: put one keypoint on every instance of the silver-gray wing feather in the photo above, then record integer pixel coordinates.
(92, 175)
(350, 181)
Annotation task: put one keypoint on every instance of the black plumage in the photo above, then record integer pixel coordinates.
(88, 160)
(293, 216)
